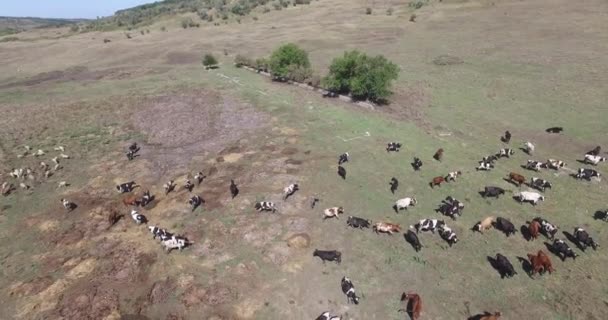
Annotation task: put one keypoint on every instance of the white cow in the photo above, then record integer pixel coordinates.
(594, 160)
(530, 196)
(529, 147)
(405, 203)
(175, 243)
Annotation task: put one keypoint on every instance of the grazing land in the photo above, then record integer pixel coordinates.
(469, 71)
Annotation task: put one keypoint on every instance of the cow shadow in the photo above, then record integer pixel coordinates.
(512, 182)
(572, 239)
(581, 161)
(600, 215)
(551, 249)
(494, 265)
(395, 208)
(525, 232)
(524, 150)
(526, 266)
(480, 316)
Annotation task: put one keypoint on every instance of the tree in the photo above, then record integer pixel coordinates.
(209, 60)
(288, 58)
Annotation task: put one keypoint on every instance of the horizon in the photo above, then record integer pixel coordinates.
(66, 9)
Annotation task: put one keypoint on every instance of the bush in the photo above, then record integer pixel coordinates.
(241, 60)
(315, 81)
(9, 39)
(302, 2)
(262, 64)
(368, 10)
(277, 6)
(299, 73)
(142, 32)
(186, 23)
(362, 76)
(389, 11)
(163, 28)
(74, 28)
(209, 60)
(288, 58)
(417, 4)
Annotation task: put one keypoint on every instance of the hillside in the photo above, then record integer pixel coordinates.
(11, 25)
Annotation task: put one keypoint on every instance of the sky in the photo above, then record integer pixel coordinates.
(65, 8)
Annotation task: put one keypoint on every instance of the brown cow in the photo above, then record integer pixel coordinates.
(544, 259)
(438, 155)
(536, 264)
(132, 200)
(534, 229)
(414, 305)
(517, 178)
(437, 181)
(485, 224)
(386, 227)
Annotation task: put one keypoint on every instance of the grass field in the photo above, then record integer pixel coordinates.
(526, 66)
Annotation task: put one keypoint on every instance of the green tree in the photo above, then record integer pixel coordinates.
(209, 60)
(288, 58)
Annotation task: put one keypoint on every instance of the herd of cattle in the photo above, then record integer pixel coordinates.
(538, 263)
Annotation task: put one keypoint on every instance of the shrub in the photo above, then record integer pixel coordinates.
(299, 73)
(186, 23)
(277, 6)
(413, 18)
(417, 4)
(203, 15)
(241, 60)
(74, 28)
(9, 39)
(266, 10)
(255, 18)
(147, 30)
(262, 64)
(287, 58)
(142, 32)
(362, 76)
(302, 2)
(315, 81)
(128, 35)
(163, 28)
(209, 60)
(368, 10)
(389, 11)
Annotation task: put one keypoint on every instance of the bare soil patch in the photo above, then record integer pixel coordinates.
(182, 57)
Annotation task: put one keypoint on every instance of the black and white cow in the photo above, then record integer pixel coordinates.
(126, 187)
(146, 198)
(554, 164)
(540, 184)
(349, 290)
(138, 218)
(265, 206)
(534, 165)
(343, 158)
(505, 152)
(169, 186)
(493, 192)
(412, 239)
(451, 207)
(134, 147)
(394, 184)
(130, 155)
(428, 225)
(324, 316)
(554, 130)
(484, 166)
(175, 242)
(160, 233)
(417, 164)
(594, 160)
(504, 225)
(504, 266)
(199, 177)
(489, 159)
(448, 235)
(452, 176)
(393, 146)
(562, 250)
(189, 185)
(587, 174)
(358, 223)
(290, 190)
(68, 205)
(548, 229)
(195, 202)
(328, 255)
(583, 239)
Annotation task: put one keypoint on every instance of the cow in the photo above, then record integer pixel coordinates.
(234, 190)
(138, 218)
(349, 290)
(554, 164)
(132, 200)
(413, 305)
(134, 147)
(587, 174)
(507, 137)
(485, 224)
(68, 205)
(332, 212)
(548, 229)
(505, 152)
(412, 239)
(290, 190)
(169, 186)
(146, 198)
(594, 160)
(452, 176)
(595, 152)
(358, 223)
(404, 203)
(451, 207)
(162, 234)
(486, 316)
(534, 229)
(265, 206)
(536, 264)
(324, 316)
(563, 250)
(199, 177)
(342, 172)
(529, 147)
(554, 130)
(314, 202)
(130, 155)
(504, 225)
(438, 154)
(546, 262)
(504, 266)
(386, 227)
(584, 240)
(39, 153)
(175, 242)
(331, 255)
(195, 202)
(394, 184)
(428, 225)
(540, 184)
(448, 235)
(493, 192)
(393, 146)
(489, 159)
(189, 185)
(126, 187)
(417, 163)
(63, 184)
(437, 181)
(516, 178)
(484, 166)
(528, 196)
(534, 165)
(343, 158)
(6, 188)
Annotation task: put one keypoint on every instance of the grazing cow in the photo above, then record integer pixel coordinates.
(595, 152)
(534, 165)
(452, 176)
(534, 228)
(587, 174)
(195, 202)
(484, 166)
(451, 207)
(24, 186)
(324, 316)
(453, 202)
(68, 205)
(332, 212)
(540, 184)
(414, 305)
(63, 184)
(548, 229)
(64, 156)
(504, 266)
(594, 160)
(169, 186)
(486, 316)
(554, 130)
(505, 152)
(146, 198)
(126, 187)
(485, 224)
(412, 239)
(55, 160)
(138, 218)
(554, 164)
(428, 225)
(563, 250)
(529, 147)
(386, 227)
(448, 235)
(335, 318)
(349, 290)
(437, 181)
(404, 203)
(342, 172)
(199, 177)
(504, 225)
(358, 223)
(162, 234)
(189, 185)
(528, 196)
(175, 242)
(417, 164)
(130, 155)
(331, 255)
(265, 206)
(234, 190)
(290, 190)
(314, 202)
(394, 184)
(6, 188)
(517, 178)
(507, 137)
(546, 262)
(44, 166)
(393, 146)
(133, 147)
(583, 239)
(493, 192)
(489, 159)
(536, 264)
(39, 153)
(438, 154)
(343, 158)
(131, 200)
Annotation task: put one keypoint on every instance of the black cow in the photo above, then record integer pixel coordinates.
(507, 137)
(595, 151)
(587, 174)
(342, 172)
(195, 202)
(562, 250)
(349, 290)
(417, 164)
(126, 187)
(489, 159)
(313, 203)
(540, 184)
(494, 192)
(504, 225)
(358, 222)
(146, 198)
(412, 239)
(504, 266)
(234, 190)
(583, 239)
(393, 146)
(554, 130)
(328, 255)
(394, 184)
(343, 158)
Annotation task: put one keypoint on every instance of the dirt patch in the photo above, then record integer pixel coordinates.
(182, 57)
(30, 288)
(88, 301)
(408, 104)
(213, 295)
(161, 290)
(447, 60)
(289, 151)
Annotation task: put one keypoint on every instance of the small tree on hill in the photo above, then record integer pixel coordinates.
(209, 60)
(287, 58)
